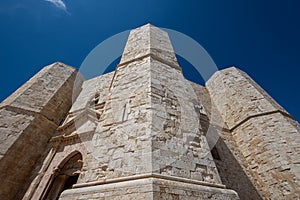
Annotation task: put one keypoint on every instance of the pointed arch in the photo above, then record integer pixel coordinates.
(65, 175)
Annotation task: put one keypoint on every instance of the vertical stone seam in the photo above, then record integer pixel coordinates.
(151, 114)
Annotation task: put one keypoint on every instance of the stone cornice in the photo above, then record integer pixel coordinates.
(148, 175)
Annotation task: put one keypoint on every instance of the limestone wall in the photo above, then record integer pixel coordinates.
(149, 120)
(144, 132)
(232, 167)
(270, 144)
(238, 97)
(149, 188)
(149, 40)
(228, 160)
(265, 135)
(28, 119)
(98, 85)
(144, 120)
(179, 144)
(121, 144)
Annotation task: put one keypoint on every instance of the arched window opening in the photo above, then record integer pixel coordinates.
(97, 105)
(95, 100)
(64, 177)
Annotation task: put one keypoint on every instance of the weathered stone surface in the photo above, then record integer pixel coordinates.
(265, 138)
(28, 119)
(149, 40)
(145, 132)
(179, 144)
(149, 188)
(231, 167)
(230, 161)
(242, 97)
(142, 118)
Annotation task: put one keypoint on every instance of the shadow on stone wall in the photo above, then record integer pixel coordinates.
(232, 174)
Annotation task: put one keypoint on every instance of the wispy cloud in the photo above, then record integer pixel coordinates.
(59, 4)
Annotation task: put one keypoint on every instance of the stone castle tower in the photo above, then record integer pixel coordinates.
(145, 132)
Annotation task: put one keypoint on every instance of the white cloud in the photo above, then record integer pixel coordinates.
(59, 3)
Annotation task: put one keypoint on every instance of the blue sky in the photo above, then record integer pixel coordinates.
(259, 37)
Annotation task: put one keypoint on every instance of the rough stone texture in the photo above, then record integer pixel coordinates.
(149, 40)
(230, 162)
(142, 118)
(28, 119)
(145, 132)
(179, 144)
(231, 167)
(265, 135)
(149, 122)
(242, 99)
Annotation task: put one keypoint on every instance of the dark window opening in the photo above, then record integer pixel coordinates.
(64, 177)
(215, 154)
(95, 100)
(70, 182)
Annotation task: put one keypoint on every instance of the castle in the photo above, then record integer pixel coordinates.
(145, 132)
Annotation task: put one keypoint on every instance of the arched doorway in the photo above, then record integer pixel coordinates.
(64, 177)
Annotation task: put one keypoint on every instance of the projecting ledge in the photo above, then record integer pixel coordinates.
(150, 186)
